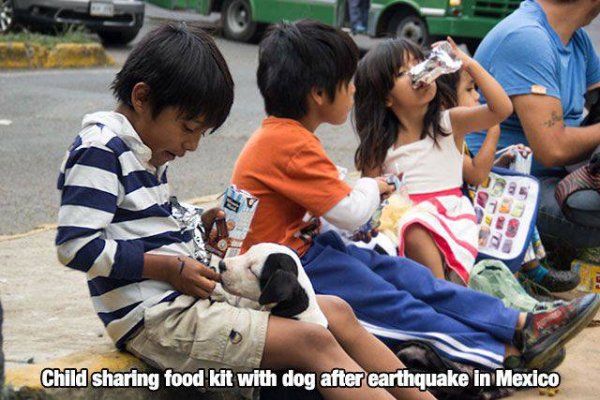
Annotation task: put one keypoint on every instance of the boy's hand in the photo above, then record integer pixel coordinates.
(193, 278)
(208, 222)
(385, 189)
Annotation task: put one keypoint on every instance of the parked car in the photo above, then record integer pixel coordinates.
(418, 20)
(115, 21)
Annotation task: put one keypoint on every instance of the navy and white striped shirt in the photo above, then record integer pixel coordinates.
(114, 208)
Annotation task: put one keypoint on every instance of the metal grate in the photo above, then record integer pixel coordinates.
(495, 8)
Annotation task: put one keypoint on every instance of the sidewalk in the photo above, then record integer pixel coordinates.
(48, 314)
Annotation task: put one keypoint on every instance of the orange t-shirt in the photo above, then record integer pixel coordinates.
(285, 166)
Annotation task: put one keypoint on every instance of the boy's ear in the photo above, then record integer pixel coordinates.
(318, 95)
(140, 96)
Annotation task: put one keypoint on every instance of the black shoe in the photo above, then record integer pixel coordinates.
(548, 331)
(552, 361)
(553, 281)
(560, 281)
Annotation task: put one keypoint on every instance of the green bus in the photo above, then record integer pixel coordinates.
(418, 20)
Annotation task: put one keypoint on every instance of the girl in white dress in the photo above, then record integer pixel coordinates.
(405, 131)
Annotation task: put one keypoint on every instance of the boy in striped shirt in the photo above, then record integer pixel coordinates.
(115, 224)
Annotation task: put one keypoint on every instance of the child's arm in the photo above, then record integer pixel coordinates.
(355, 209)
(498, 107)
(88, 205)
(476, 169)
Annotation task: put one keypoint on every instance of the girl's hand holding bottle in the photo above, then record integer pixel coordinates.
(461, 55)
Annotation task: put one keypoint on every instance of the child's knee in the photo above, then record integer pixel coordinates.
(315, 339)
(415, 234)
(336, 309)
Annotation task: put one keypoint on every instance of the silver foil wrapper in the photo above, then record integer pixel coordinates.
(189, 218)
(441, 60)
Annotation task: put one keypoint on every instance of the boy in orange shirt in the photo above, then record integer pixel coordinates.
(304, 75)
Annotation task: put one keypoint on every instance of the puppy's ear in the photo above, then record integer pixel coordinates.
(279, 287)
(283, 288)
(277, 262)
(293, 305)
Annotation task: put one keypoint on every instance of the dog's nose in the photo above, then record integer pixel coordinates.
(222, 266)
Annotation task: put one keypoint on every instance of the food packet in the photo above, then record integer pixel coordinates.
(189, 218)
(226, 235)
(375, 221)
(521, 163)
(441, 60)
(393, 209)
(218, 240)
(240, 207)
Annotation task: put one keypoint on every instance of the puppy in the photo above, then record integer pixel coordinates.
(272, 276)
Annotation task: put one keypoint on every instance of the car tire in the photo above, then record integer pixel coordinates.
(409, 26)
(119, 38)
(236, 19)
(7, 16)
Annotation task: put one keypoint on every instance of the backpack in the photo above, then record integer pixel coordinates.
(506, 206)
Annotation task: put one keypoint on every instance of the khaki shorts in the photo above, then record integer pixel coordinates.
(188, 334)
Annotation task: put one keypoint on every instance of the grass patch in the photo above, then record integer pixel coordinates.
(70, 35)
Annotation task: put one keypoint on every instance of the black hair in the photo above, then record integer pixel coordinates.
(447, 86)
(183, 68)
(376, 125)
(294, 58)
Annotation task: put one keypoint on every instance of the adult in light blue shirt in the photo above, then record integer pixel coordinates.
(546, 63)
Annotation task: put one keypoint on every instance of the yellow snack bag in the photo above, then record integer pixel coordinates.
(397, 205)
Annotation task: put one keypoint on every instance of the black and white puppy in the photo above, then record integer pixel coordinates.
(272, 276)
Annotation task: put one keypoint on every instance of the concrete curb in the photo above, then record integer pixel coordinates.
(19, 55)
(27, 380)
(93, 361)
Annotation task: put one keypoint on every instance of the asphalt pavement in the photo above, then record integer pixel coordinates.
(41, 112)
(45, 109)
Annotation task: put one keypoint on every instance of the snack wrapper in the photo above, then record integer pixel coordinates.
(521, 163)
(189, 218)
(239, 207)
(375, 221)
(218, 241)
(441, 60)
(227, 234)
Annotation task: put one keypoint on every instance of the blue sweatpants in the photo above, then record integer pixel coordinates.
(397, 299)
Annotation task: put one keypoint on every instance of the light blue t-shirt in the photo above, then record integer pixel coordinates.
(526, 55)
